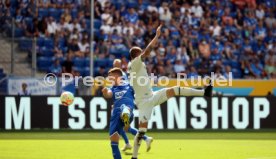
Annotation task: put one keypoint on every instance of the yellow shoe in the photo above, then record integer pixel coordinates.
(125, 119)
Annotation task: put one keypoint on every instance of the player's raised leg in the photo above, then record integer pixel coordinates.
(186, 91)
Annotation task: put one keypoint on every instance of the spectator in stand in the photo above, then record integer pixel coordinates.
(51, 26)
(204, 49)
(106, 16)
(117, 41)
(18, 18)
(178, 66)
(31, 9)
(128, 28)
(131, 16)
(101, 72)
(260, 13)
(197, 9)
(42, 26)
(215, 29)
(24, 91)
(240, 30)
(228, 72)
(106, 28)
(192, 73)
(169, 68)
(32, 29)
(74, 47)
(43, 3)
(83, 45)
(260, 31)
(66, 16)
(165, 13)
(67, 65)
(56, 68)
(270, 63)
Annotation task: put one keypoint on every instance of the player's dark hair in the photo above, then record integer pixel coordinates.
(116, 70)
(134, 52)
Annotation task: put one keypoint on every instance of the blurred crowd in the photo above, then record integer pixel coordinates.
(198, 37)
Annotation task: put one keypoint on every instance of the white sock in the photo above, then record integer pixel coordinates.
(186, 91)
(126, 110)
(137, 143)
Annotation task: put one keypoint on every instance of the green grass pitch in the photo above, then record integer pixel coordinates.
(166, 145)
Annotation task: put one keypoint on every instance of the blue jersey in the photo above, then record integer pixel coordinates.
(123, 95)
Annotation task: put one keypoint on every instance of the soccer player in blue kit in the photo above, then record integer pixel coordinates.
(117, 63)
(122, 114)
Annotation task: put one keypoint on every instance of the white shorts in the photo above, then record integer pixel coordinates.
(145, 105)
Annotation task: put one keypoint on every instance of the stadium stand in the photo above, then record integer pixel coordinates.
(199, 37)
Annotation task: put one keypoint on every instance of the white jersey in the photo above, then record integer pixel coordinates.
(139, 78)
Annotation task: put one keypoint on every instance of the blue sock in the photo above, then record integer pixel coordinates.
(123, 133)
(134, 131)
(115, 150)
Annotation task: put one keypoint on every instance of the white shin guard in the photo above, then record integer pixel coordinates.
(186, 91)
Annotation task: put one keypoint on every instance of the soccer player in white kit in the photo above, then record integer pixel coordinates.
(145, 98)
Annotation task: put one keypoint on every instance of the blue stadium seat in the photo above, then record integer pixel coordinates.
(164, 42)
(124, 53)
(237, 73)
(116, 53)
(64, 49)
(49, 43)
(25, 44)
(97, 32)
(87, 21)
(226, 62)
(62, 42)
(97, 24)
(95, 71)
(109, 63)
(43, 63)
(13, 12)
(117, 5)
(119, 53)
(235, 64)
(74, 13)
(28, 21)
(176, 43)
(18, 32)
(132, 4)
(42, 12)
(61, 59)
(80, 70)
(87, 71)
(100, 62)
(14, 3)
(79, 62)
(40, 41)
(87, 62)
(197, 62)
(55, 13)
(46, 52)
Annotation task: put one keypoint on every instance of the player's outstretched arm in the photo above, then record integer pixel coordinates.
(107, 93)
(153, 42)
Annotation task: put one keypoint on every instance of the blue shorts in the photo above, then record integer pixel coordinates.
(116, 123)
